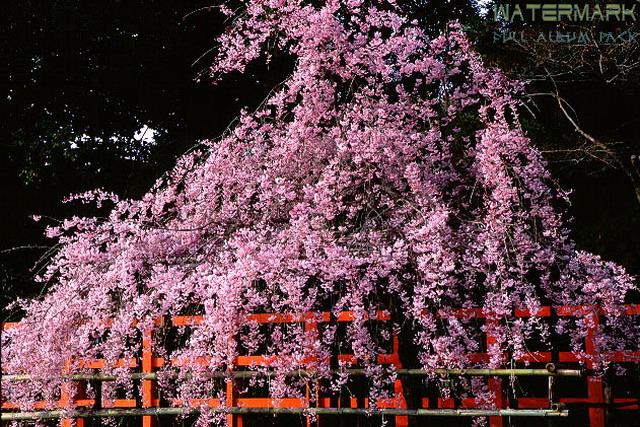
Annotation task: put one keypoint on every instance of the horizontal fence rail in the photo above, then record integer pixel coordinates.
(549, 371)
(149, 406)
(295, 411)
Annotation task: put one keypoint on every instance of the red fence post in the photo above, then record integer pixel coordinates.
(398, 390)
(230, 402)
(311, 326)
(68, 393)
(494, 384)
(595, 388)
(149, 388)
(65, 400)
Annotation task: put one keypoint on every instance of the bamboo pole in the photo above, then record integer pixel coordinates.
(17, 416)
(541, 372)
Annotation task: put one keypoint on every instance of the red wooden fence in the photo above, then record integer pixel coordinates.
(148, 362)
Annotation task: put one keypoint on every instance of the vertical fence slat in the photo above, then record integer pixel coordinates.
(494, 384)
(65, 402)
(230, 402)
(149, 387)
(69, 392)
(398, 389)
(311, 326)
(595, 388)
